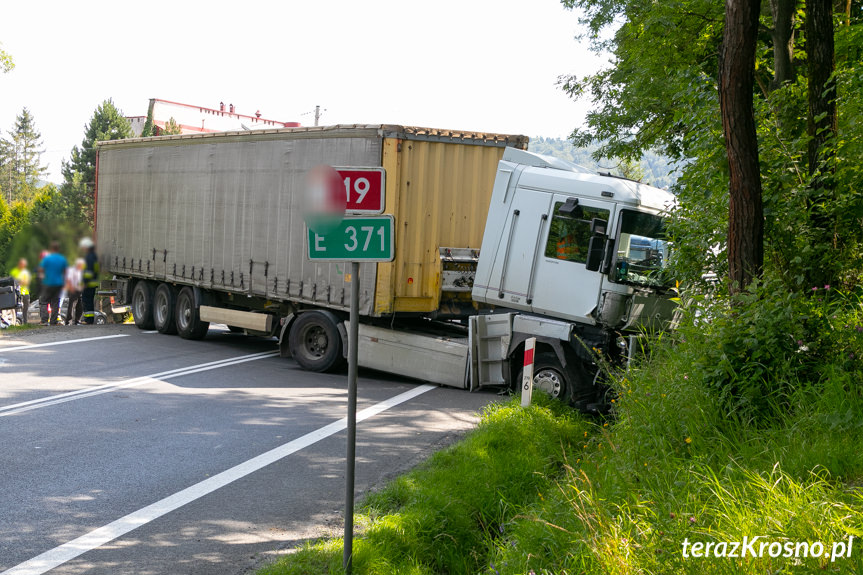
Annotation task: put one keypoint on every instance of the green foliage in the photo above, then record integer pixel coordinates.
(6, 62)
(657, 50)
(811, 231)
(27, 228)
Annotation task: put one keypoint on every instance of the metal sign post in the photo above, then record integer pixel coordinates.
(353, 345)
(332, 237)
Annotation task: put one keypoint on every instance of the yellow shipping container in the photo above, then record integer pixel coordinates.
(438, 188)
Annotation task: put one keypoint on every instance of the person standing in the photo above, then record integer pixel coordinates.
(53, 272)
(91, 280)
(22, 277)
(74, 287)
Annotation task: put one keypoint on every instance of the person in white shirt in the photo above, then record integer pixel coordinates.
(74, 287)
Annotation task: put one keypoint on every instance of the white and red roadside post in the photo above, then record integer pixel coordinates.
(527, 372)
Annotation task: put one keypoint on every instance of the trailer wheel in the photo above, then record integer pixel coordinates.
(164, 303)
(142, 305)
(550, 377)
(315, 342)
(189, 324)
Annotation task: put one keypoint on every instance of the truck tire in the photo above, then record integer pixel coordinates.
(315, 342)
(142, 304)
(164, 304)
(550, 377)
(189, 324)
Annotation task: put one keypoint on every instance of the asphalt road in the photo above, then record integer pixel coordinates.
(123, 451)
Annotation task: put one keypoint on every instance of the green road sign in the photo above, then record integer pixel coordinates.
(367, 239)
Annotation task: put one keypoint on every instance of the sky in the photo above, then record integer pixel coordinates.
(480, 65)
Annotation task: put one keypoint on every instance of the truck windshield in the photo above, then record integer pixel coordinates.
(642, 250)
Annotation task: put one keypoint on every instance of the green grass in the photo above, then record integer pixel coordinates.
(16, 328)
(546, 491)
(445, 516)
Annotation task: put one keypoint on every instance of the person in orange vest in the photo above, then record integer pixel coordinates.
(567, 248)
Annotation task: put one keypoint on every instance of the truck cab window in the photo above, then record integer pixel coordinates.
(569, 234)
(642, 250)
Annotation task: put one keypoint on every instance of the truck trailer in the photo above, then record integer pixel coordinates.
(493, 244)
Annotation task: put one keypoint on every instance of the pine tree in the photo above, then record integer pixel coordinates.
(20, 159)
(172, 128)
(79, 173)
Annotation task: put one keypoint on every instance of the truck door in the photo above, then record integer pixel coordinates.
(526, 222)
(563, 287)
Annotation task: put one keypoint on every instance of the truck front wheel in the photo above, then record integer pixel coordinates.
(550, 377)
(189, 324)
(142, 305)
(315, 342)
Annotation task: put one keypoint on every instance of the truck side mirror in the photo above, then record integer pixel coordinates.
(598, 227)
(595, 249)
(596, 246)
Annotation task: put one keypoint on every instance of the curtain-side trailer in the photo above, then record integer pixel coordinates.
(209, 228)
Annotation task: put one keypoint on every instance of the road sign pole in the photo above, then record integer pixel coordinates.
(353, 345)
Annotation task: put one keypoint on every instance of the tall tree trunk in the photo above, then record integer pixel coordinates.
(736, 83)
(822, 125)
(783, 41)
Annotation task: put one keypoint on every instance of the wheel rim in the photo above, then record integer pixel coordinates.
(139, 304)
(549, 381)
(161, 308)
(184, 313)
(315, 341)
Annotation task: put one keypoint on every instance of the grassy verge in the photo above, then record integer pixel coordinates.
(18, 328)
(544, 491)
(445, 516)
(704, 449)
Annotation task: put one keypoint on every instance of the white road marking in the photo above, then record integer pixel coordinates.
(109, 387)
(98, 537)
(35, 345)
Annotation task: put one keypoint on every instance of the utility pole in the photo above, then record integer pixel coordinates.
(317, 114)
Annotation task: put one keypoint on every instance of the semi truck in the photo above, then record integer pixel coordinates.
(493, 245)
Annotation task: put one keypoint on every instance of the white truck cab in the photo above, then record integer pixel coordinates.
(579, 258)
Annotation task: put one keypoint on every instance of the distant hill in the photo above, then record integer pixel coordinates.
(653, 168)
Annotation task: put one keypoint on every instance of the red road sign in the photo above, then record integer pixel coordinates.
(364, 189)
